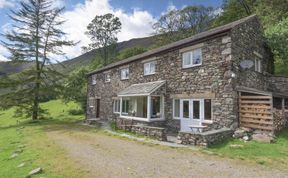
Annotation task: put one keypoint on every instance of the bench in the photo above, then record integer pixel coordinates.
(198, 128)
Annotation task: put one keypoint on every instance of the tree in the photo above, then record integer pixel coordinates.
(234, 10)
(178, 24)
(36, 34)
(102, 32)
(129, 52)
(76, 87)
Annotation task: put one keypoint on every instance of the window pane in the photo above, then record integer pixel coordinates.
(197, 56)
(207, 109)
(152, 67)
(177, 108)
(124, 73)
(196, 109)
(146, 68)
(185, 109)
(155, 106)
(187, 59)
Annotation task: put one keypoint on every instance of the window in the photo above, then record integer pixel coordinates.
(196, 109)
(91, 102)
(149, 68)
(125, 106)
(176, 108)
(116, 106)
(107, 78)
(207, 109)
(124, 74)
(258, 66)
(192, 58)
(94, 81)
(186, 112)
(155, 106)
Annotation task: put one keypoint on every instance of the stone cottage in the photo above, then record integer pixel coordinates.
(204, 85)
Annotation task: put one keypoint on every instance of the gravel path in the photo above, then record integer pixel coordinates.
(110, 156)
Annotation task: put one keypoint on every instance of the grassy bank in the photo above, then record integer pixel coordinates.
(275, 154)
(25, 146)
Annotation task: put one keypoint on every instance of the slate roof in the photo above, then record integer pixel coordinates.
(199, 36)
(141, 89)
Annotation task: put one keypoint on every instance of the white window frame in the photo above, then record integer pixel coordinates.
(190, 53)
(149, 64)
(94, 81)
(176, 117)
(123, 77)
(121, 106)
(106, 78)
(258, 65)
(116, 103)
(202, 109)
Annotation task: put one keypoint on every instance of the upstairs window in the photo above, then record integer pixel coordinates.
(94, 81)
(124, 75)
(107, 77)
(258, 65)
(149, 68)
(192, 58)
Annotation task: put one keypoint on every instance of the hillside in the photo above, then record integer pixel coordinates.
(8, 68)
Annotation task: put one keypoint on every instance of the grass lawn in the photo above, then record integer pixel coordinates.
(274, 155)
(33, 147)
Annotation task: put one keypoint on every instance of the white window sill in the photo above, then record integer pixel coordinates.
(176, 118)
(190, 66)
(141, 119)
(207, 122)
(124, 79)
(149, 74)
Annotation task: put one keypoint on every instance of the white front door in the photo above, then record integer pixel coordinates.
(191, 113)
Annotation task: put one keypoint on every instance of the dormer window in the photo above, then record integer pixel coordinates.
(124, 75)
(149, 68)
(192, 58)
(107, 77)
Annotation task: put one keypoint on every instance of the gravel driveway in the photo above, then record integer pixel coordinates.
(109, 156)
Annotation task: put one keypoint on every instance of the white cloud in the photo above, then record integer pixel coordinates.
(134, 25)
(5, 3)
(3, 52)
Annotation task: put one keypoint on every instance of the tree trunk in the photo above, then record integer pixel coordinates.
(37, 82)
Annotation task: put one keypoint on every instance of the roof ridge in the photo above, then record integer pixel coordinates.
(195, 37)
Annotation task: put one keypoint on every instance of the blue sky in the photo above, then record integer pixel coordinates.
(137, 17)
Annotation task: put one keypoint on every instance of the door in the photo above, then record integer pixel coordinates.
(191, 113)
(97, 108)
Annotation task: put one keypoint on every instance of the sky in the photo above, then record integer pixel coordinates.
(136, 16)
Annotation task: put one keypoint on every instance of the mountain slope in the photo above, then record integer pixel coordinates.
(8, 68)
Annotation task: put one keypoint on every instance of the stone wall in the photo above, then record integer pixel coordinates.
(278, 84)
(158, 133)
(206, 138)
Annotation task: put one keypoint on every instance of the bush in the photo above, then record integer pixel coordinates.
(76, 112)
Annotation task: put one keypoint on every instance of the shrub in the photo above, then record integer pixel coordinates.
(76, 112)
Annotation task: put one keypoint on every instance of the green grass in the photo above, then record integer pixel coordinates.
(275, 154)
(38, 149)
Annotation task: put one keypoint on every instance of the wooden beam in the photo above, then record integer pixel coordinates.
(255, 112)
(255, 102)
(257, 121)
(254, 107)
(257, 117)
(255, 126)
(255, 97)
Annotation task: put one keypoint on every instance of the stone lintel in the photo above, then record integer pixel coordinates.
(207, 95)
